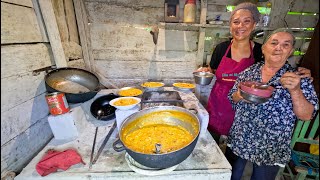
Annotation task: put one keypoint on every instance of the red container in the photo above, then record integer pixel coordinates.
(254, 88)
(57, 103)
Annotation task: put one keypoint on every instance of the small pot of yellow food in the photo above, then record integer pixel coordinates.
(159, 137)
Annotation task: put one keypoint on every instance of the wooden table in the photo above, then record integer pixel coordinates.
(205, 162)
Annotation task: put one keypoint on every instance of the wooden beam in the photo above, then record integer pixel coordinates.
(53, 33)
(202, 33)
(83, 28)
(203, 14)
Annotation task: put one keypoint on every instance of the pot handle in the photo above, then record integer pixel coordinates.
(118, 146)
(193, 110)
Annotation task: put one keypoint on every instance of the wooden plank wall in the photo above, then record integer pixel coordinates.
(67, 25)
(24, 48)
(123, 48)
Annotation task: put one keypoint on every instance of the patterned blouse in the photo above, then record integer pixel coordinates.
(261, 133)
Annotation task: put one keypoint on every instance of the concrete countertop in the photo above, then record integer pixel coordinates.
(205, 162)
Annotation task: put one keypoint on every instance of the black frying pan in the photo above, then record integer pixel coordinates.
(78, 85)
(102, 103)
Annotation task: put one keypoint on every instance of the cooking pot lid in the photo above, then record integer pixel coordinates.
(141, 169)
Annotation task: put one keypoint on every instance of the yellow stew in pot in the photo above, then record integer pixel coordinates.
(172, 129)
(170, 137)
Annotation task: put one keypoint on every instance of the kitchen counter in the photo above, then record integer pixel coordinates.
(205, 162)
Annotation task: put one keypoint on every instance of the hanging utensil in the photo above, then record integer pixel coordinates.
(105, 142)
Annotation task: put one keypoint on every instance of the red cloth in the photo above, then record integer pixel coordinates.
(55, 160)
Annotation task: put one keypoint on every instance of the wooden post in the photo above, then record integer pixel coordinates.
(83, 28)
(53, 33)
(201, 42)
(202, 32)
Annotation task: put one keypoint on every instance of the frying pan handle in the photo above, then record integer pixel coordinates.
(118, 146)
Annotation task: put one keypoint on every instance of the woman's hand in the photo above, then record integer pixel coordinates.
(304, 72)
(302, 108)
(291, 81)
(204, 69)
(236, 96)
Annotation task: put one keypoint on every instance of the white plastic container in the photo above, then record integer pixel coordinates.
(63, 126)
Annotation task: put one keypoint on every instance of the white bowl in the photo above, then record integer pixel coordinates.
(125, 101)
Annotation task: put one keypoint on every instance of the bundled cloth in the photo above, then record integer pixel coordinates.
(54, 160)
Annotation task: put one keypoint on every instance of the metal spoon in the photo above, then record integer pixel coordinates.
(99, 113)
(263, 86)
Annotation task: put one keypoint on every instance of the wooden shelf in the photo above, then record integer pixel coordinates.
(188, 26)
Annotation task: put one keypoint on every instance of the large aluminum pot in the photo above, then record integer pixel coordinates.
(188, 121)
(78, 85)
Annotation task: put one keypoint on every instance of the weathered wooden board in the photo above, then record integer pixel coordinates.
(216, 8)
(19, 24)
(154, 68)
(23, 147)
(53, 33)
(114, 37)
(305, 6)
(123, 55)
(145, 69)
(172, 40)
(20, 59)
(60, 16)
(104, 36)
(72, 50)
(21, 117)
(131, 3)
(99, 12)
(20, 88)
(79, 63)
(27, 3)
(42, 27)
(298, 21)
(71, 21)
(82, 22)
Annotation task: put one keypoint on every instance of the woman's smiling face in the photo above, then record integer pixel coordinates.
(242, 24)
(278, 48)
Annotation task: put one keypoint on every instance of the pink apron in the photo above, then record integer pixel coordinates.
(221, 114)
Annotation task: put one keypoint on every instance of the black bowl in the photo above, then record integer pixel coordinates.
(102, 103)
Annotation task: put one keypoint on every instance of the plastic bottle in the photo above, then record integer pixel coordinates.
(266, 17)
(189, 11)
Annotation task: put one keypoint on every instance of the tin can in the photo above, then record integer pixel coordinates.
(57, 103)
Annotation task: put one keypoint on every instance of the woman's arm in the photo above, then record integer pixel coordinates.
(302, 108)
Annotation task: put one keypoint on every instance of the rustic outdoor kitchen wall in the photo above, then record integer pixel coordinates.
(25, 48)
(123, 49)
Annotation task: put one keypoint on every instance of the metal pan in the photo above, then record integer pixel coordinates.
(102, 103)
(78, 85)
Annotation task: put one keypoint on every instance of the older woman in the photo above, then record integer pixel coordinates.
(228, 60)
(261, 133)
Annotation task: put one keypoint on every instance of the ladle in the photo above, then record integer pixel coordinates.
(99, 113)
(158, 148)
